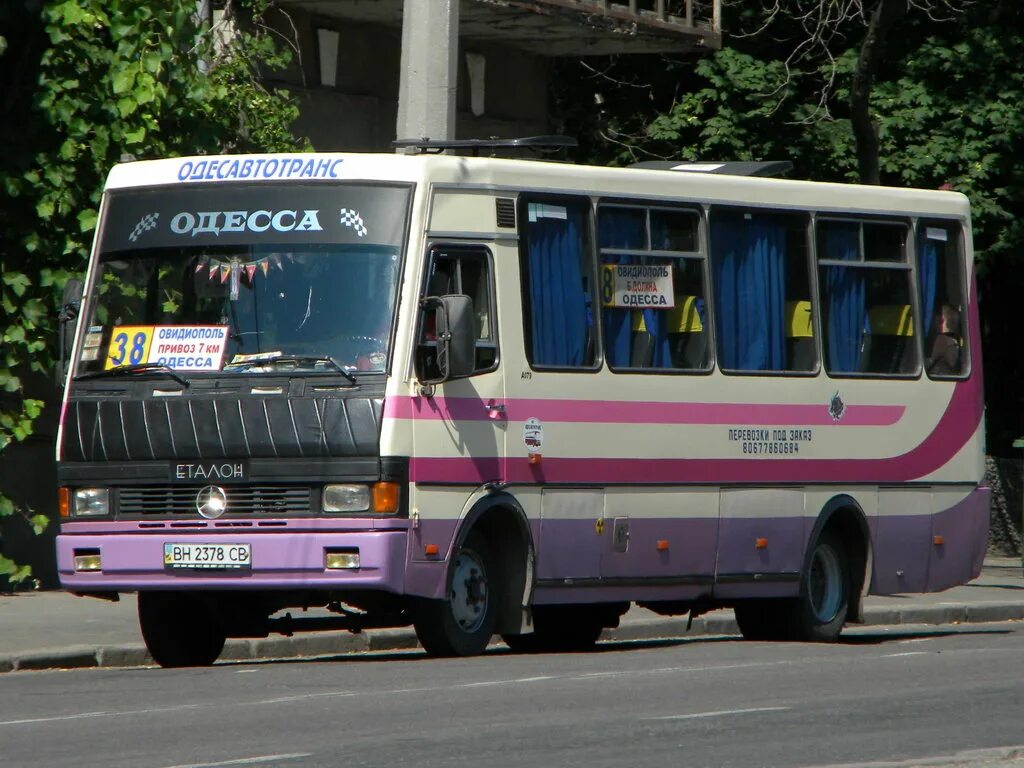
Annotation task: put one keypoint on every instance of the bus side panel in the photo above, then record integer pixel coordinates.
(763, 530)
(901, 541)
(959, 537)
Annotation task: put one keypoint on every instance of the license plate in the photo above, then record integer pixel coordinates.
(207, 555)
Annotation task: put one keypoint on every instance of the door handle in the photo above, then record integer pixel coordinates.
(495, 410)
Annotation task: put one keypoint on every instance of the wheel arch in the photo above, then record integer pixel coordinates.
(845, 515)
(500, 518)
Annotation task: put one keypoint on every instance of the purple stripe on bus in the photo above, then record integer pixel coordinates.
(957, 425)
(627, 412)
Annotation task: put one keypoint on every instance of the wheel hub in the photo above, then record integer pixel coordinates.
(468, 596)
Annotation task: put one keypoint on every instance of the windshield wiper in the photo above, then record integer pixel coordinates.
(296, 360)
(117, 370)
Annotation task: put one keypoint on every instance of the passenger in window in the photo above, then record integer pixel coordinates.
(944, 359)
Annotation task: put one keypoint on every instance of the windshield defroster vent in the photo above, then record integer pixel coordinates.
(506, 210)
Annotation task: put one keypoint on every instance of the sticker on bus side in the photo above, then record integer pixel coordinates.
(182, 347)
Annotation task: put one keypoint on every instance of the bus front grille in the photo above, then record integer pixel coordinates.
(173, 500)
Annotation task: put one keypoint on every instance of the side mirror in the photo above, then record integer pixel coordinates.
(70, 305)
(455, 331)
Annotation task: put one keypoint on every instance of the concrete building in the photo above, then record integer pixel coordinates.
(354, 60)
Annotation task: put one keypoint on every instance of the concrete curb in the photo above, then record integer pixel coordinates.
(326, 644)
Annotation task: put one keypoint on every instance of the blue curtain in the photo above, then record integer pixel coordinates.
(622, 229)
(749, 261)
(927, 277)
(559, 305)
(845, 308)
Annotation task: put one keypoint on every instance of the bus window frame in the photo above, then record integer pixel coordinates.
(700, 254)
(523, 200)
(919, 224)
(907, 265)
(812, 287)
(492, 294)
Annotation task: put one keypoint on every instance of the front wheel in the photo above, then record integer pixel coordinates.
(463, 622)
(180, 630)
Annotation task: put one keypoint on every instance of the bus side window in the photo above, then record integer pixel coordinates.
(941, 282)
(761, 279)
(558, 301)
(661, 247)
(460, 271)
(866, 295)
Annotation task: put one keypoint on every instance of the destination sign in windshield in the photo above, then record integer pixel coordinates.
(246, 214)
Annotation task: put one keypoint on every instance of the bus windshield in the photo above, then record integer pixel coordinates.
(247, 284)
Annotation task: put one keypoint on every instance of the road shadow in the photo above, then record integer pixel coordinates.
(897, 635)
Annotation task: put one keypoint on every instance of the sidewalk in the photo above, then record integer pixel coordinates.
(47, 630)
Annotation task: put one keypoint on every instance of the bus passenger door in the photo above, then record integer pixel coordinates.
(460, 428)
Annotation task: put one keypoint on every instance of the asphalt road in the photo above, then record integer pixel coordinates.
(881, 695)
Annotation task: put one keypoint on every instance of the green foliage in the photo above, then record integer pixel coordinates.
(91, 81)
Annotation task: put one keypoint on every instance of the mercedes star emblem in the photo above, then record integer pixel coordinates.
(211, 502)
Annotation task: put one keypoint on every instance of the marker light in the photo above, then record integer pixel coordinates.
(346, 498)
(341, 559)
(939, 540)
(662, 545)
(431, 550)
(64, 502)
(385, 498)
(92, 501)
(761, 543)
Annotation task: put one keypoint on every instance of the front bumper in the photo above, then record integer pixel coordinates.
(281, 559)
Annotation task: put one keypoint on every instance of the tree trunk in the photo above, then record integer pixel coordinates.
(865, 132)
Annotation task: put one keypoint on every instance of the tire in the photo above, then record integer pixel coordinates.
(559, 629)
(461, 624)
(819, 614)
(180, 630)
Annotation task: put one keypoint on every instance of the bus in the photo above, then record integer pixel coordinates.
(485, 396)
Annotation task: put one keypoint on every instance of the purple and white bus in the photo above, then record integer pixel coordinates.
(488, 396)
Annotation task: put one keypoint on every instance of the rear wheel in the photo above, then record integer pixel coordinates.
(180, 630)
(820, 611)
(818, 614)
(462, 623)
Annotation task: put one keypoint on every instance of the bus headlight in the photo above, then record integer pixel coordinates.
(92, 501)
(346, 498)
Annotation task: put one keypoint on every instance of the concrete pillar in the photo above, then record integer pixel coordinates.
(430, 55)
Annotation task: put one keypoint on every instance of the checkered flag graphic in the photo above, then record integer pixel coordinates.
(352, 219)
(145, 224)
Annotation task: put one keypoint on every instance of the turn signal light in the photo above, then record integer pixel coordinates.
(431, 550)
(662, 545)
(761, 543)
(939, 540)
(64, 502)
(385, 497)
